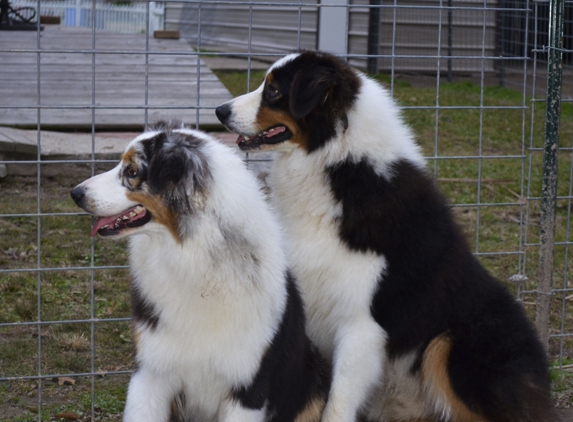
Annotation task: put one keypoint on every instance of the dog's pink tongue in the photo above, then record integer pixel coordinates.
(100, 222)
(119, 220)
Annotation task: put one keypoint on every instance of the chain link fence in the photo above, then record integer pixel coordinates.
(472, 78)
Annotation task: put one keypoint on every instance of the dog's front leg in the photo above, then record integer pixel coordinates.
(148, 398)
(358, 363)
(233, 411)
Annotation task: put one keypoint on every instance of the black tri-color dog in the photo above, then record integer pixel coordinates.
(416, 328)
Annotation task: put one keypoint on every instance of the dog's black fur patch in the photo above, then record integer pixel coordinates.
(142, 310)
(291, 370)
(433, 284)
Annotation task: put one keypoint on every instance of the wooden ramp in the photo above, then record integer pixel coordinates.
(73, 77)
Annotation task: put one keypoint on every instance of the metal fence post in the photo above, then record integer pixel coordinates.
(550, 160)
(450, 43)
(373, 36)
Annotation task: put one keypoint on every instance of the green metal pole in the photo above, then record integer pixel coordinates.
(550, 159)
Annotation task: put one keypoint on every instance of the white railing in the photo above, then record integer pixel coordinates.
(128, 18)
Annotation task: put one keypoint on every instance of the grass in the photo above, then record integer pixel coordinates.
(64, 295)
(65, 243)
(237, 82)
(562, 383)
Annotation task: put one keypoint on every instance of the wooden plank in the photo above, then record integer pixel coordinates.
(73, 77)
(50, 20)
(101, 59)
(104, 120)
(171, 35)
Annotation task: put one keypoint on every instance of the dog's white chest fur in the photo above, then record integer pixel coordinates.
(337, 283)
(213, 325)
(323, 264)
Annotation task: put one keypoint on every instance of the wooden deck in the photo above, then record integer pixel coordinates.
(67, 80)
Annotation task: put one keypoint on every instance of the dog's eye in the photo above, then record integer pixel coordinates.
(272, 90)
(131, 173)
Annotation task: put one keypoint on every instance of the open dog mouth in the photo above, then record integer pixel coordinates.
(109, 226)
(274, 135)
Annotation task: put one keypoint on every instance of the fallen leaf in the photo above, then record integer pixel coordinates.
(110, 310)
(71, 416)
(66, 380)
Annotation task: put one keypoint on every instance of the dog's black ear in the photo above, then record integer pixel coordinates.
(168, 176)
(178, 171)
(311, 87)
(166, 169)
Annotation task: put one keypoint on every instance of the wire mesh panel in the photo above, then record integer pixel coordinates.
(520, 32)
(559, 296)
(469, 74)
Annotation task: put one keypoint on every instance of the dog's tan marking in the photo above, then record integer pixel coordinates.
(437, 380)
(312, 412)
(128, 156)
(129, 160)
(136, 334)
(269, 79)
(267, 118)
(414, 420)
(161, 214)
(177, 407)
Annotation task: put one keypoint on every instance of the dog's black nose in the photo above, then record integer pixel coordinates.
(223, 112)
(78, 194)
